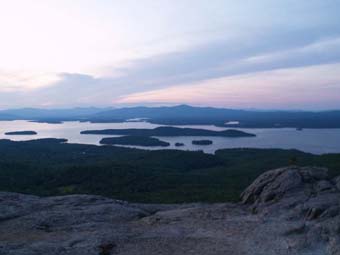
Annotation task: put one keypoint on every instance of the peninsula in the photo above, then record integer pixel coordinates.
(170, 131)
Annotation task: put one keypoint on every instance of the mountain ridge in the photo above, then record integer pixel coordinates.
(183, 115)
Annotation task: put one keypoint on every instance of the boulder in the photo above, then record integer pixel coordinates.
(294, 183)
(295, 194)
(272, 185)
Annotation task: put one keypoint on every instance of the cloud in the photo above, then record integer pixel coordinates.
(21, 81)
(314, 87)
(223, 59)
(194, 66)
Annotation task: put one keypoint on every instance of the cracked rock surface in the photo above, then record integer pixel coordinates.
(289, 210)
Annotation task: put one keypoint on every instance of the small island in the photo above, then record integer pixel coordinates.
(21, 133)
(179, 144)
(134, 141)
(170, 131)
(202, 142)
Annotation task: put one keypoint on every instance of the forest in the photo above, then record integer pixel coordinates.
(51, 167)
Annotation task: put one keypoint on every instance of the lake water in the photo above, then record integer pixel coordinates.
(317, 141)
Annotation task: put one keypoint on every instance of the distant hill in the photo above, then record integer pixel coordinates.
(6, 116)
(183, 115)
(169, 115)
(49, 115)
(186, 115)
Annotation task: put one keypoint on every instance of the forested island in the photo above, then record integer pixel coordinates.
(170, 131)
(134, 140)
(21, 133)
(179, 144)
(202, 142)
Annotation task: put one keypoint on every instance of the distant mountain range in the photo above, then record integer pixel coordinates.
(50, 115)
(182, 115)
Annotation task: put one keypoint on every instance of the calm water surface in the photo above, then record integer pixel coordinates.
(316, 141)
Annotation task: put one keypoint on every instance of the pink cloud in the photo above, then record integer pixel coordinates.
(307, 87)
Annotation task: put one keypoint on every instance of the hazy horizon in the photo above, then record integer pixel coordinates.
(261, 55)
(167, 105)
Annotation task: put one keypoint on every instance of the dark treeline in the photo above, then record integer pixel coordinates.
(169, 131)
(49, 167)
(134, 140)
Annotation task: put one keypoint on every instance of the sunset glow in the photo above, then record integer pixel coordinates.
(217, 53)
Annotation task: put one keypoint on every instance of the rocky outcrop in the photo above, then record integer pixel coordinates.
(285, 211)
(305, 196)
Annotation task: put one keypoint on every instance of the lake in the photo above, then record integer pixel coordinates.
(317, 141)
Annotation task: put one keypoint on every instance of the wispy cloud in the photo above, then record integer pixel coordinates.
(26, 81)
(162, 54)
(315, 87)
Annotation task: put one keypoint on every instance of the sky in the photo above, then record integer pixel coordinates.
(262, 54)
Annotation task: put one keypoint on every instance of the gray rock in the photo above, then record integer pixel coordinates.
(271, 185)
(299, 194)
(324, 185)
(337, 182)
(297, 212)
(316, 173)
